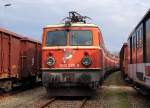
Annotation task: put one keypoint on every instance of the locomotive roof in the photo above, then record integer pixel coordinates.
(73, 25)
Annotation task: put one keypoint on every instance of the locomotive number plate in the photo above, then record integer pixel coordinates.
(69, 65)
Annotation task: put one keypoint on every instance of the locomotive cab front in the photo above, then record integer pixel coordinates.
(71, 56)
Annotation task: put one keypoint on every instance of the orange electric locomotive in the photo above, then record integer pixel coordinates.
(72, 57)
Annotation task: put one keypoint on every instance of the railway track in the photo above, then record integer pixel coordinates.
(52, 100)
(83, 103)
(19, 89)
(48, 103)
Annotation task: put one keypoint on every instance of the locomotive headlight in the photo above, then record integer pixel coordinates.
(86, 61)
(50, 61)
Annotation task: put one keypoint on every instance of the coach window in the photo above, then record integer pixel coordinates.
(130, 46)
(140, 41)
(141, 37)
(131, 49)
(134, 48)
(134, 42)
(56, 38)
(137, 35)
(80, 38)
(148, 41)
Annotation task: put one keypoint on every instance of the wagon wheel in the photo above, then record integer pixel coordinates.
(7, 86)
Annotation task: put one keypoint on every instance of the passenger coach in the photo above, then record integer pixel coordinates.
(138, 52)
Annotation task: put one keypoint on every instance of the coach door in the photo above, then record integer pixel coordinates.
(134, 56)
(139, 54)
(147, 67)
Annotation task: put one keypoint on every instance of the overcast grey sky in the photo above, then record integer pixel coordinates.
(116, 18)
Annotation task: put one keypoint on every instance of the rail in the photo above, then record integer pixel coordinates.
(83, 102)
(48, 103)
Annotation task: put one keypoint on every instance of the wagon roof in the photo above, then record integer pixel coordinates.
(30, 40)
(10, 32)
(18, 36)
(73, 25)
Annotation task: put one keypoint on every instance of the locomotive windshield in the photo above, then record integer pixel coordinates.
(80, 37)
(77, 38)
(56, 38)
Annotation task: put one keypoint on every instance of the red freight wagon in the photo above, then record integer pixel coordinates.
(124, 60)
(30, 55)
(19, 59)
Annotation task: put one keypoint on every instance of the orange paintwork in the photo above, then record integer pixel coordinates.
(96, 51)
(94, 33)
(77, 52)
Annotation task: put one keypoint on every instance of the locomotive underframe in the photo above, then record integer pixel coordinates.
(71, 82)
(71, 77)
